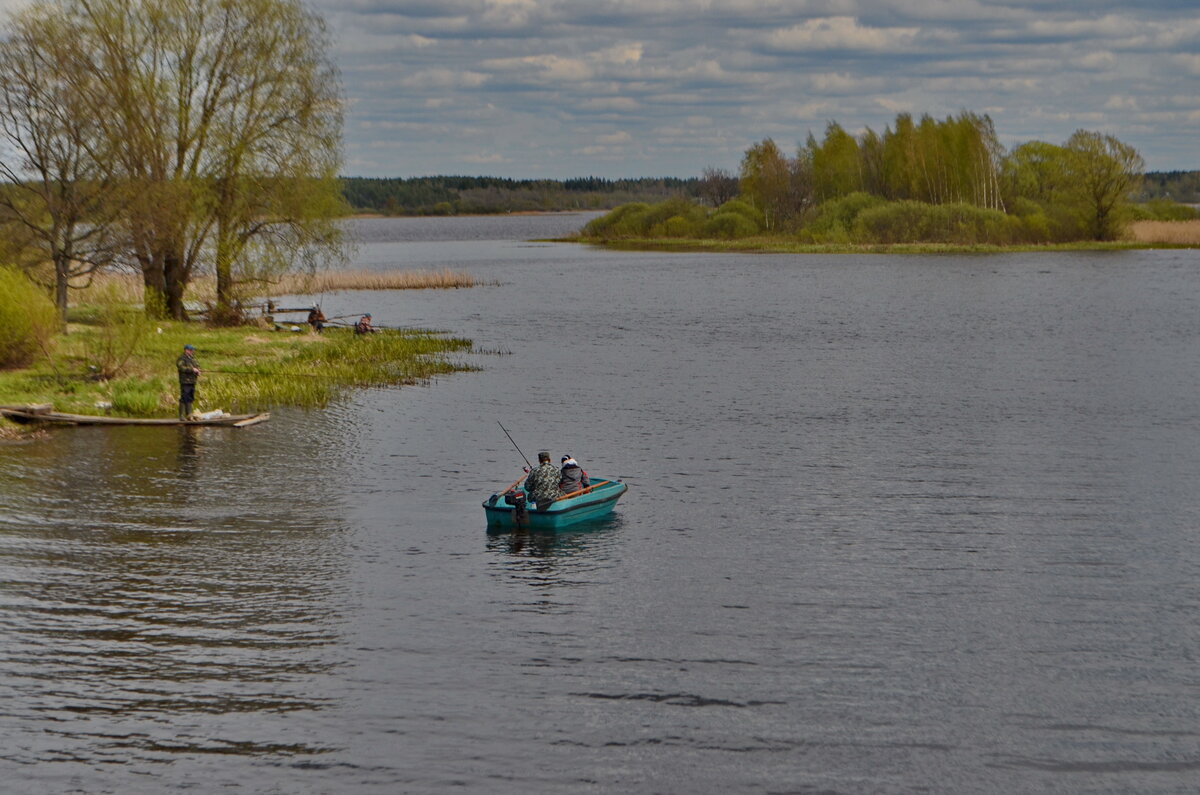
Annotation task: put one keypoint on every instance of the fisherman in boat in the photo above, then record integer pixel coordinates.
(316, 319)
(572, 478)
(189, 373)
(363, 326)
(542, 484)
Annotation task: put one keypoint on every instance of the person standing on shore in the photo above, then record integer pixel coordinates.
(189, 374)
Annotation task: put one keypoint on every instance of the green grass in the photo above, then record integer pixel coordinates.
(244, 369)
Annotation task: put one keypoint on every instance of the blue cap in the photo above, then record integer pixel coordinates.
(188, 348)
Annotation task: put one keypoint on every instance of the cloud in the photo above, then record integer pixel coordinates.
(841, 33)
(535, 77)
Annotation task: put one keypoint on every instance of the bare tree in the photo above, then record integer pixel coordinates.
(717, 186)
(58, 196)
(223, 120)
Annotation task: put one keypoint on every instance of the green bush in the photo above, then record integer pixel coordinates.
(746, 210)
(28, 319)
(675, 226)
(618, 222)
(730, 226)
(835, 218)
(671, 218)
(916, 222)
(1162, 210)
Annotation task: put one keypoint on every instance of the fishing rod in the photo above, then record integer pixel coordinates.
(514, 444)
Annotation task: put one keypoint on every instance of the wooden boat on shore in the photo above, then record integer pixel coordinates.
(508, 510)
(46, 415)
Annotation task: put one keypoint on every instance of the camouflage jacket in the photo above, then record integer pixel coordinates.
(542, 483)
(186, 364)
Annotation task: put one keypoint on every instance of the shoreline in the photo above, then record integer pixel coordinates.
(760, 245)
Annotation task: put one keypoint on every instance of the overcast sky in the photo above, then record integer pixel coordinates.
(615, 88)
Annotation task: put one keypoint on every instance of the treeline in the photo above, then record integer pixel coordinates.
(1178, 186)
(920, 180)
(453, 195)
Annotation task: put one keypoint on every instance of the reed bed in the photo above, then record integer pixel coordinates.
(1176, 233)
(128, 286)
(337, 280)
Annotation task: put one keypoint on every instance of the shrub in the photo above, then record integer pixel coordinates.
(120, 327)
(833, 219)
(1162, 210)
(671, 218)
(746, 210)
(729, 226)
(916, 222)
(675, 226)
(617, 222)
(28, 319)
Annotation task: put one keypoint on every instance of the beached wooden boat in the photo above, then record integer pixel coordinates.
(508, 510)
(45, 414)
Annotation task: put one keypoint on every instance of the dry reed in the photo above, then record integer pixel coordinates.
(1180, 233)
(128, 286)
(333, 281)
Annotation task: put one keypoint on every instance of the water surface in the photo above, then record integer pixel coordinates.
(895, 524)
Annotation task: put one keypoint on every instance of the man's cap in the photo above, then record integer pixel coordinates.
(544, 455)
(367, 315)
(188, 347)
(566, 458)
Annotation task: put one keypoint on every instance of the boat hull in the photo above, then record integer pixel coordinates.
(595, 504)
(46, 417)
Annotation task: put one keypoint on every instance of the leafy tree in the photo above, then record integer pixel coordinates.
(221, 118)
(1104, 172)
(837, 166)
(779, 187)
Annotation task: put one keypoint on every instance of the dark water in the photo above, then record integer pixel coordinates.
(895, 524)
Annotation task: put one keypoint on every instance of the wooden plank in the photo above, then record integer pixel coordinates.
(257, 418)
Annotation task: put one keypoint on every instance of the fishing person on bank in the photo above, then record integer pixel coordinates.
(542, 484)
(189, 374)
(363, 326)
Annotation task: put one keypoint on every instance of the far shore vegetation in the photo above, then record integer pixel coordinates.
(920, 183)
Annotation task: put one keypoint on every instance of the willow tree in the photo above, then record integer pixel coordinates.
(58, 198)
(224, 119)
(1104, 173)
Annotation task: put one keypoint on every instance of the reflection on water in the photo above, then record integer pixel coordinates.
(158, 589)
(546, 560)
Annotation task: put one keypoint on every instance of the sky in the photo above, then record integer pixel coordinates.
(632, 88)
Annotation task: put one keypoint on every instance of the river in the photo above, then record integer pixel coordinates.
(895, 524)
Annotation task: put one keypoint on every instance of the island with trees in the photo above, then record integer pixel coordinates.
(919, 182)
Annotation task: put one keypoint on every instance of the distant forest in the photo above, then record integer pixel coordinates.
(485, 195)
(1180, 186)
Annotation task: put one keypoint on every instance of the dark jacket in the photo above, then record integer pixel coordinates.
(573, 479)
(186, 365)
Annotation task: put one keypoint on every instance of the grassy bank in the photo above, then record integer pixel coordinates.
(777, 245)
(128, 369)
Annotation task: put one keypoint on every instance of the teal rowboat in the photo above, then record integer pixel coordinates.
(508, 510)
